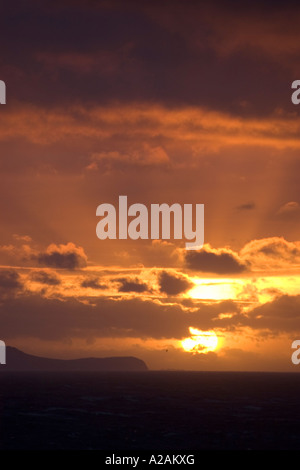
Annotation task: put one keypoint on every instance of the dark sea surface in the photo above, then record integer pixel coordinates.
(149, 410)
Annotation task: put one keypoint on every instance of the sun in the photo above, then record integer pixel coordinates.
(215, 289)
(200, 342)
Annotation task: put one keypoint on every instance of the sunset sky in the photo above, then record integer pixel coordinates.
(165, 102)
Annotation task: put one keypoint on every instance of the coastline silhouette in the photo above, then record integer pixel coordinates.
(17, 360)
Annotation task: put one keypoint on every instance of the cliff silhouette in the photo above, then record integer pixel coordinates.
(17, 360)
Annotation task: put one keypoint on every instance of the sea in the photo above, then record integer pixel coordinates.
(174, 411)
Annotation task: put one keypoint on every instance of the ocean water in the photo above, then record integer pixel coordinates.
(153, 410)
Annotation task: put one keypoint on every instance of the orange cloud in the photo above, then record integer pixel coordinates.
(173, 283)
(140, 155)
(272, 253)
(290, 209)
(67, 256)
(204, 128)
(218, 261)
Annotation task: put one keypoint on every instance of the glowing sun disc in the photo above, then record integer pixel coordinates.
(200, 341)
